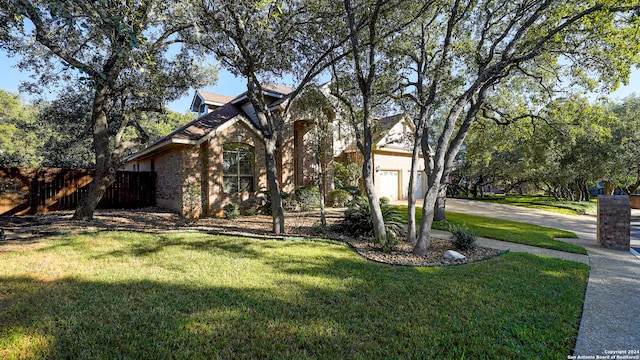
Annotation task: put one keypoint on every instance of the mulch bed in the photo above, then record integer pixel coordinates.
(154, 220)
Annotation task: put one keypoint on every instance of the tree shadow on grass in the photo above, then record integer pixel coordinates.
(334, 305)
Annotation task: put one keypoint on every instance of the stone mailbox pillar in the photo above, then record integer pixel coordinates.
(614, 222)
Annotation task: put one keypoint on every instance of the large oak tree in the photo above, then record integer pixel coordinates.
(264, 42)
(128, 52)
(485, 43)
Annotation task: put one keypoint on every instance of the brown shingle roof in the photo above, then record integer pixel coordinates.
(215, 98)
(207, 123)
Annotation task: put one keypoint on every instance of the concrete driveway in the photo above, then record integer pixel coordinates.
(612, 302)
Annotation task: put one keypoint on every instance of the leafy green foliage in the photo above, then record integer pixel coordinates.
(340, 197)
(288, 202)
(346, 175)
(231, 211)
(357, 222)
(462, 237)
(58, 133)
(569, 145)
(231, 297)
(354, 191)
(132, 55)
(307, 197)
(20, 141)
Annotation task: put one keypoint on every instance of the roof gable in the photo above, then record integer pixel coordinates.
(394, 133)
(199, 129)
(207, 98)
(389, 133)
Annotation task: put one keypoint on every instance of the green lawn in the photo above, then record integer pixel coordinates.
(543, 203)
(129, 295)
(506, 230)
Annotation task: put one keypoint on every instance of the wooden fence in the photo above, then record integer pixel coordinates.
(30, 191)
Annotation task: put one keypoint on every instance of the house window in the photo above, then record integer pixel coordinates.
(237, 165)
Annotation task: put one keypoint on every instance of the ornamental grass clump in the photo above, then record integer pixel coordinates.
(462, 237)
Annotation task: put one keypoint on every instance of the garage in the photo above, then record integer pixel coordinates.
(389, 181)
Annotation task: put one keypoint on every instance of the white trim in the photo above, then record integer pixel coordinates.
(160, 145)
(243, 96)
(226, 125)
(194, 101)
(147, 150)
(201, 140)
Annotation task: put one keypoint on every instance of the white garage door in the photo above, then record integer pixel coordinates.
(388, 184)
(418, 194)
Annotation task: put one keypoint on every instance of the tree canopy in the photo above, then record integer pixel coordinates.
(57, 133)
(129, 53)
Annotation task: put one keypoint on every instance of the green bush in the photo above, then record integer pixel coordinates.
(357, 222)
(317, 228)
(251, 211)
(354, 191)
(231, 211)
(307, 197)
(462, 237)
(346, 174)
(340, 197)
(385, 200)
(288, 204)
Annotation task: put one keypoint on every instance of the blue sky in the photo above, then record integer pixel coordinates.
(227, 84)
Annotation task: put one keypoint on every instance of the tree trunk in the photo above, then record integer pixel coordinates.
(105, 165)
(323, 214)
(411, 198)
(441, 200)
(277, 211)
(609, 188)
(424, 237)
(379, 231)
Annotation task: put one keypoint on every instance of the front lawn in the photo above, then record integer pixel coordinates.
(505, 230)
(131, 295)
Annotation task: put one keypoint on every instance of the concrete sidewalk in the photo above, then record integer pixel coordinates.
(513, 247)
(610, 319)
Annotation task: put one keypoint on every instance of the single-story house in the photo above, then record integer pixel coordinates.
(219, 157)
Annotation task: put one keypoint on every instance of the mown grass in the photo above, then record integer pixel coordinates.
(129, 295)
(505, 230)
(544, 203)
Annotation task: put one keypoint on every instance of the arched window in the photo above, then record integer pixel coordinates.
(237, 165)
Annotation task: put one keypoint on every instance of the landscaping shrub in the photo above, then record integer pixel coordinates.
(357, 222)
(317, 229)
(340, 197)
(463, 238)
(385, 200)
(231, 211)
(346, 174)
(287, 202)
(354, 191)
(251, 211)
(307, 197)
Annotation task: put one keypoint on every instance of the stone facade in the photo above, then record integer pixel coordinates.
(614, 217)
(217, 198)
(169, 185)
